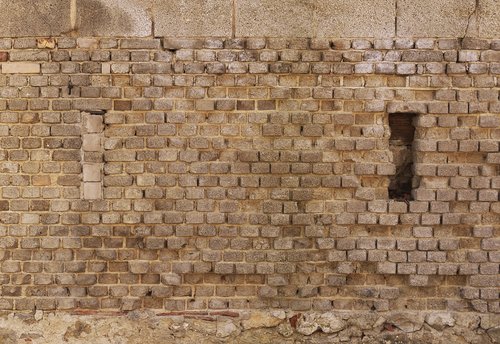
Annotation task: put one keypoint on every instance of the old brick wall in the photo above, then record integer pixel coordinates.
(247, 173)
(221, 173)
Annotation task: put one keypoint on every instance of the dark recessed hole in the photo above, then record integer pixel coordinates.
(401, 146)
(97, 112)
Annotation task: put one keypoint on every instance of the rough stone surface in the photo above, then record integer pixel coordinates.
(227, 329)
(326, 323)
(440, 321)
(148, 328)
(192, 18)
(8, 336)
(21, 18)
(260, 320)
(406, 322)
(329, 323)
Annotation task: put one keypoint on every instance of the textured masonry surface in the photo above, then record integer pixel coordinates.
(187, 174)
(164, 181)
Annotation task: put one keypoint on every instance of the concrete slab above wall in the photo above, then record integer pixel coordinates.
(488, 19)
(20, 18)
(193, 18)
(113, 18)
(251, 18)
(301, 18)
(356, 18)
(285, 18)
(431, 18)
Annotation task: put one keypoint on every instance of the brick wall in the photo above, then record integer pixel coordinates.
(193, 174)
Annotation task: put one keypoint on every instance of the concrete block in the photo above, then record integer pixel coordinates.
(190, 18)
(20, 68)
(92, 172)
(429, 18)
(356, 18)
(92, 190)
(94, 124)
(270, 18)
(21, 18)
(91, 142)
(113, 18)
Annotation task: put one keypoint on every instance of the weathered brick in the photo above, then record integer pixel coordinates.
(422, 56)
(92, 104)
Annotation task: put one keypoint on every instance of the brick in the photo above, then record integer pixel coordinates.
(493, 158)
(92, 104)
(20, 68)
(489, 121)
(91, 172)
(484, 281)
(136, 43)
(386, 268)
(490, 244)
(418, 280)
(422, 56)
(92, 190)
(29, 55)
(490, 56)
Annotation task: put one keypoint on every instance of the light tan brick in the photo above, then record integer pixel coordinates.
(20, 68)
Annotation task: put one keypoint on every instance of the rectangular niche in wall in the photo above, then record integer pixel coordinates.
(401, 146)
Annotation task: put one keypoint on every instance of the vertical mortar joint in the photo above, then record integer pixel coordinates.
(233, 17)
(73, 14)
(396, 18)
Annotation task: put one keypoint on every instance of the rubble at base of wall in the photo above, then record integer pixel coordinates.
(275, 326)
